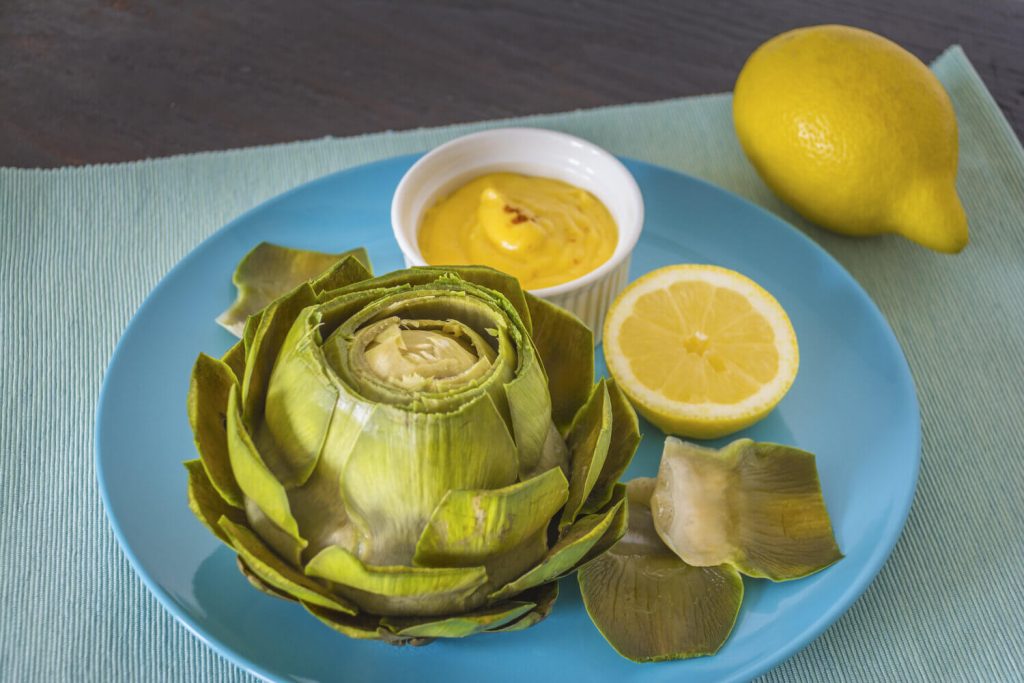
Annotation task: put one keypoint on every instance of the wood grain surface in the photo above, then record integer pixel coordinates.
(88, 82)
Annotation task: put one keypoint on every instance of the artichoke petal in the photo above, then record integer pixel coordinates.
(261, 352)
(460, 625)
(568, 552)
(398, 590)
(616, 528)
(624, 441)
(262, 490)
(351, 267)
(206, 502)
(268, 271)
(234, 358)
(468, 527)
(565, 346)
(649, 604)
(421, 456)
(359, 626)
(758, 507)
(544, 597)
(588, 441)
(277, 574)
(212, 382)
(300, 403)
(259, 584)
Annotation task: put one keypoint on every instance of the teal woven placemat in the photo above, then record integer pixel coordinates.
(80, 248)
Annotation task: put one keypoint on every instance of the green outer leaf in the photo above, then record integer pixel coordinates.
(258, 583)
(569, 551)
(360, 626)
(256, 481)
(300, 403)
(468, 527)
(268, 271)
(460, 625)
(624, 441)
(212, 382)
(758, 507)
(566, 347)
(615, 530)
(234, 358)
(588, 441)
(276, 573)
(544, 596)
(206, 503)
(530, 410)
(404, 463)
(398, 590)
(261, 354)
(355, 267)
(649, 604)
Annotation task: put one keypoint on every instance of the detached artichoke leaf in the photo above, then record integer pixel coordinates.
(262, 490)
(544, 597)
(268, 271)
(588, 441)
(276, 573)
(624, 441)
(755, 506)
(460, 625)
(206, 502)
(565, 346)
(650, 605)
(212, 382)
(259, 584)
(567, 553)
(397, 590)
(468, 527)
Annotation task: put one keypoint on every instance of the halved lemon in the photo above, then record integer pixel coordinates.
(701, 351)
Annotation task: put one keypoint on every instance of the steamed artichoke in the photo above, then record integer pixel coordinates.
(411, 456)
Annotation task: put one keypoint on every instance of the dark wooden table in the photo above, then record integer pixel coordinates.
(87, 82)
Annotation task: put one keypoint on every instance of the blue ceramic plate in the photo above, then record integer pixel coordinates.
(853, 404)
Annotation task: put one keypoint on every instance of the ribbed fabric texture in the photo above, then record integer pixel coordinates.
(80, 248)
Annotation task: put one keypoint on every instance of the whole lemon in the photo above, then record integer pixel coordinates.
(853, 132)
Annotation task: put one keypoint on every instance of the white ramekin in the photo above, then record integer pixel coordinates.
(538, 152)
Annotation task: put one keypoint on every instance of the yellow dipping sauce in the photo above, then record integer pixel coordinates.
(542, 231)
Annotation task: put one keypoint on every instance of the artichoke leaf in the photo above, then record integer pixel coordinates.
(268, 271)
(569, 551)
(566, 348)
(359, 626)
(649, 604)
(403, 463)
(212, 382)
(460, 625)
(277, 574)
(262, 490)
(206, 502)
(398, 590)
(261, 353)
(588, 441)
(544, 597)
(259, 584)
(300, 403)
(624, 441)
(351, 267)
(468, 527)
(234, 358)
(540, 445)
(615, 530)
(756, 506)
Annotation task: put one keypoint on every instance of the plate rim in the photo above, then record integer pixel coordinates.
(829, 616)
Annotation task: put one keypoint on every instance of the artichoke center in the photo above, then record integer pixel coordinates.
(416, 359)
